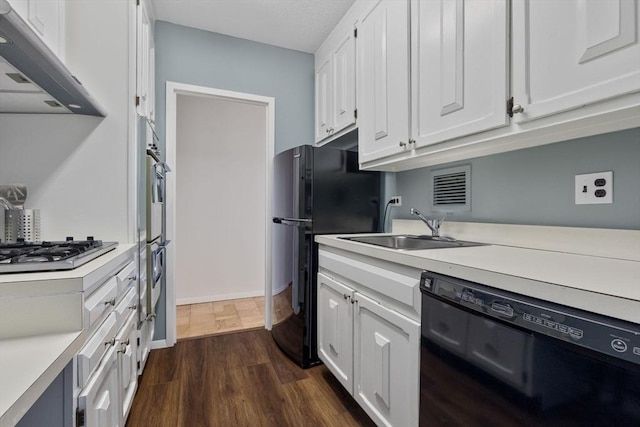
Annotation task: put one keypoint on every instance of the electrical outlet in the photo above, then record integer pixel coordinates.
(594, 188)
(396, 200)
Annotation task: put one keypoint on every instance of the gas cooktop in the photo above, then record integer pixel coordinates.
(45, 256)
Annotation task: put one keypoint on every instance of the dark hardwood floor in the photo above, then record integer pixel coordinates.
(239, 379)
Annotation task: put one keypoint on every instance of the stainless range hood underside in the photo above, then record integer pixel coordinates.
(27, 53)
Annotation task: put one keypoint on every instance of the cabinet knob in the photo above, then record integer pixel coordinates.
(403, 144)
(345, 296)
(516, 109)
(110, 342)
(133, 307)
(112, 301)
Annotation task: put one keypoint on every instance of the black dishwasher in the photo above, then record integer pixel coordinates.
(493, 358)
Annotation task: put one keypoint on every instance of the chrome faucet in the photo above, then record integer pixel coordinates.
(433, 224)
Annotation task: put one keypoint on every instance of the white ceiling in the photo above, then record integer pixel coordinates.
(293, 24)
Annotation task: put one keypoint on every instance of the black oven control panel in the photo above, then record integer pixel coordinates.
(606, 335)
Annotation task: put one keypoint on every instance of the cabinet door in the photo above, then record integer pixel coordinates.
(459, 68)
(383, 80)
(127, 366)
(323, 99)
(344, 82)
(46, 18)
(386, 363)
(335, 329)
(570, 53)
(99, 399)
(143, 46)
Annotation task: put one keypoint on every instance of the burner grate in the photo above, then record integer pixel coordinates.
(42, 256)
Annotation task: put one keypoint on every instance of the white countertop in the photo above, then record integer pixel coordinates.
(82, 278)
(29, 364)
(607, 286)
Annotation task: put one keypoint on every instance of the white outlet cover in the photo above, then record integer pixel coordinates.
(588, 193)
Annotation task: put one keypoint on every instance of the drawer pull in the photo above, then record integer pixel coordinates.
(133, 307)
(112, 301)
(110, 342)
(123, 346)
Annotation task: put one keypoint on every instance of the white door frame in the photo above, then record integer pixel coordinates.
(173, 89)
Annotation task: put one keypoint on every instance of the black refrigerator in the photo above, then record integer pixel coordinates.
(317, 190)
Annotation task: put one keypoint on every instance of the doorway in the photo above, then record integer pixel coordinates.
(221, 145)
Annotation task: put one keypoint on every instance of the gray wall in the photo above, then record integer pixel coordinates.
(536, 185)
(192, 56)
(201, 58)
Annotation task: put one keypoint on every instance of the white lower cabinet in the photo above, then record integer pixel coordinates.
(107, 368)
(98, 401)
(335, 333)
(386, 352)
(372, 350)
(127, 352)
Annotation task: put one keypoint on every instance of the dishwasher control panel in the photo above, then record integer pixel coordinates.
(605, 335)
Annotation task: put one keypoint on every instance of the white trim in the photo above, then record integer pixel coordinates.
(154, 345)
(280, 289)
(173, 89)
(132, 131)
(214, 298)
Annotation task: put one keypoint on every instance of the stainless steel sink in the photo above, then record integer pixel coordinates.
(406, 242)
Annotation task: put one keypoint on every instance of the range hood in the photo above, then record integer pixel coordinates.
(33, 79)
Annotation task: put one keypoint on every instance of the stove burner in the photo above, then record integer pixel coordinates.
(51, 255)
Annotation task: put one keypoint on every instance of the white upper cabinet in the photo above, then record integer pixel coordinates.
(46, 19)
(145, 62)
(323, 98)
(335, 75)
(446, 80)
(571, 53)
(383, 80)
(459, 68)
(344, 77)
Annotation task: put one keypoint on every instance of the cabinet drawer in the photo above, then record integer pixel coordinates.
(126, 306)
(100, 302)
(89, 356)
(127, 277)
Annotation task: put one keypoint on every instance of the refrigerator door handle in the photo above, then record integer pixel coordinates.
(296, 222)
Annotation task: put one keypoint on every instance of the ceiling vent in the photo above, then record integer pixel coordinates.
(451, 189)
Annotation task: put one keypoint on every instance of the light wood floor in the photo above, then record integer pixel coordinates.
(239, 379)
(221, 317)
(197, 320)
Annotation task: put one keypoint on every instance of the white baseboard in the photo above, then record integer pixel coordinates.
(276, 291)
(158, 344)
(213, 298)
